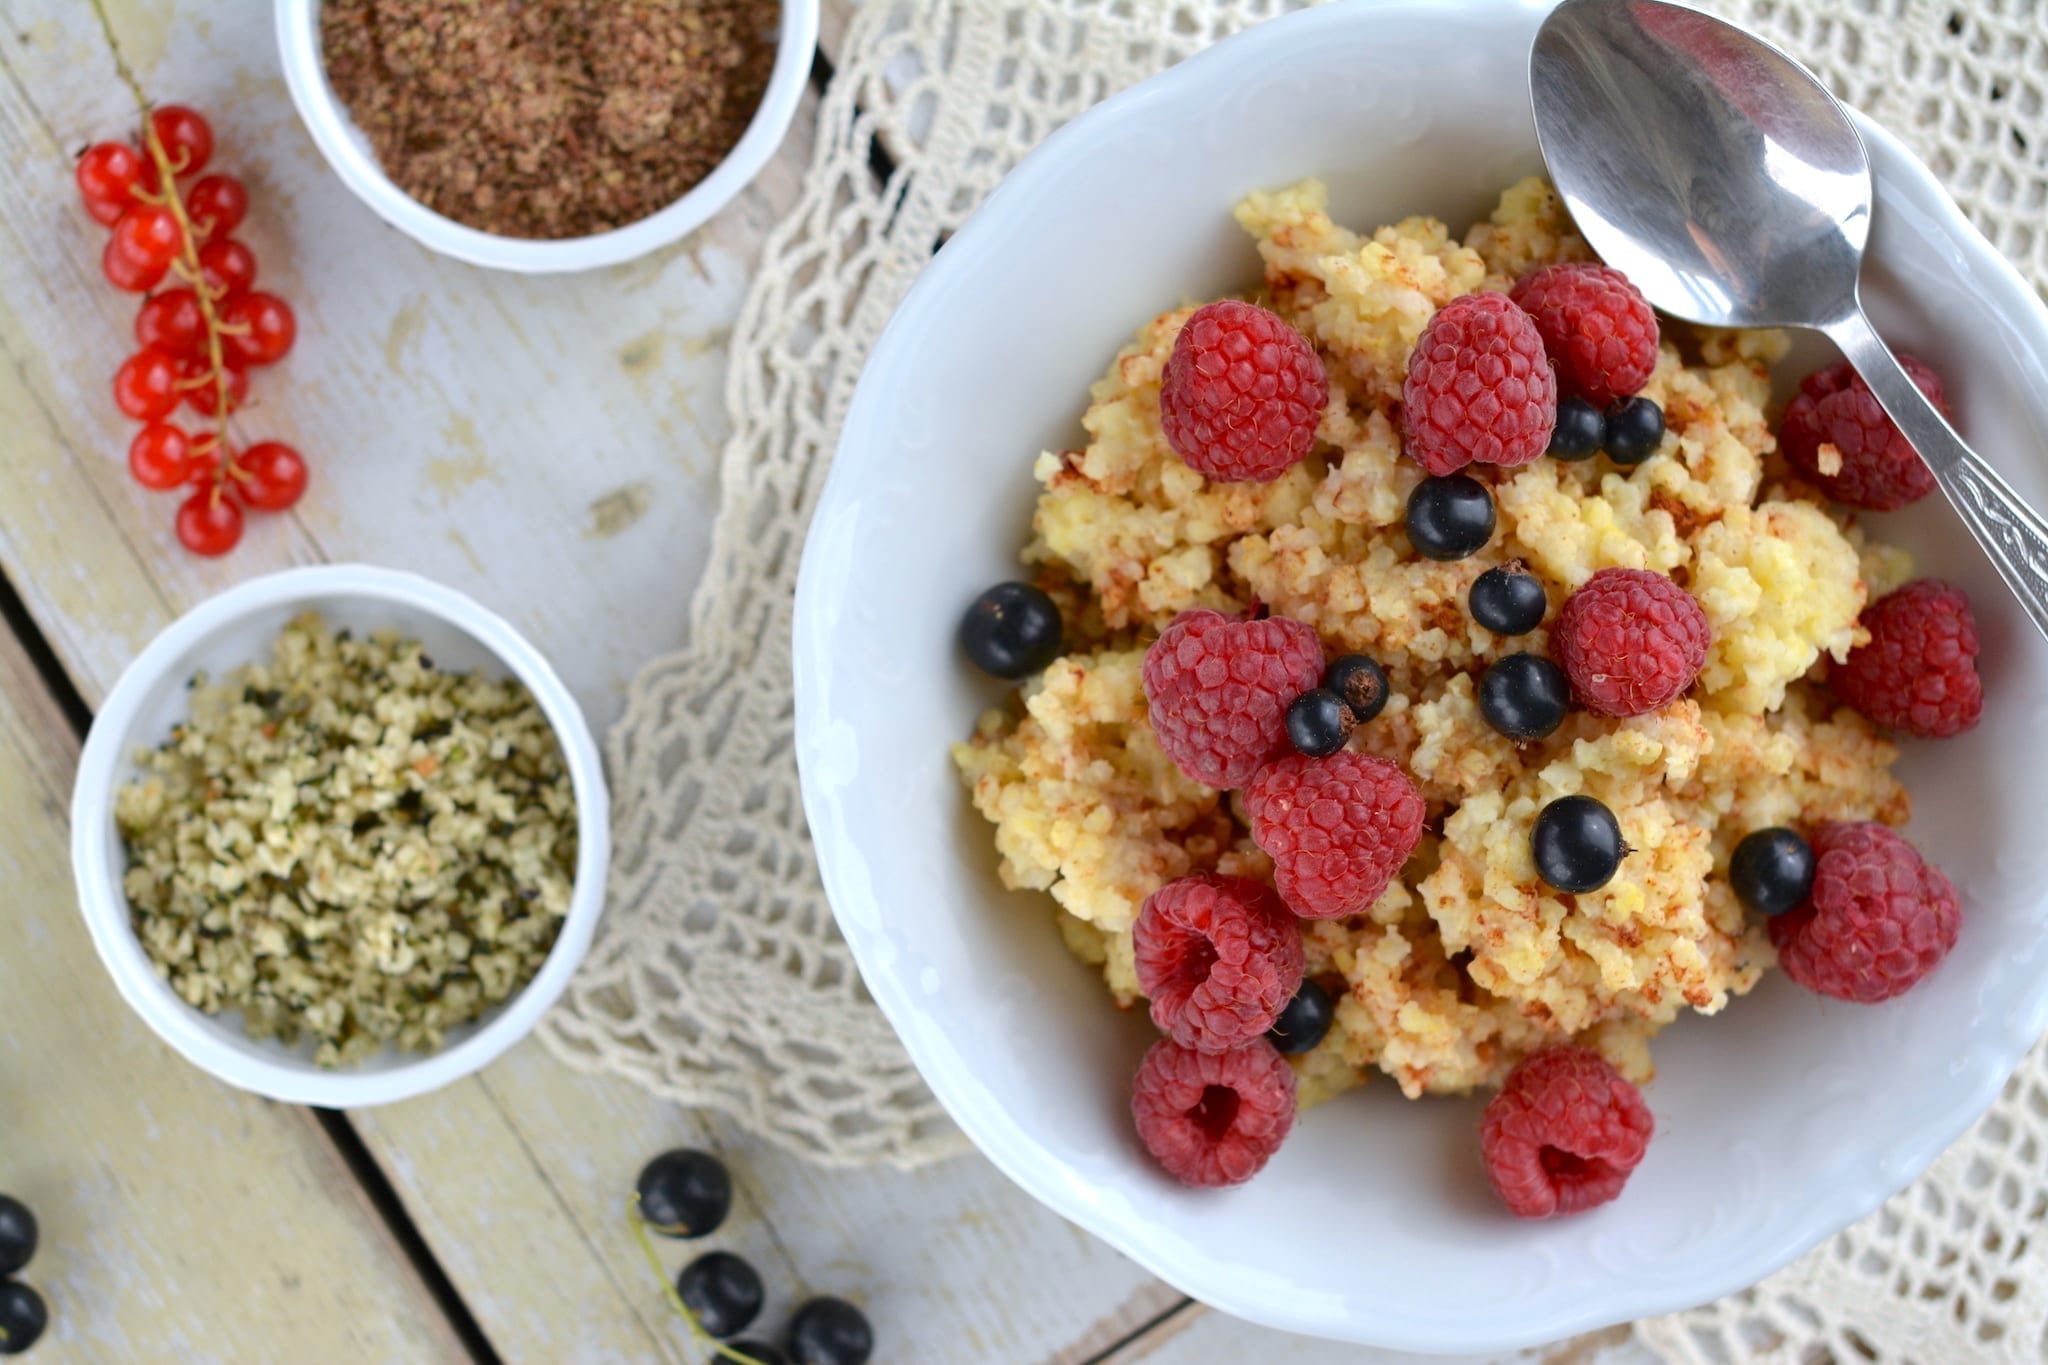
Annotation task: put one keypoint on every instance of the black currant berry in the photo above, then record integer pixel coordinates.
(1577, 843)
(722, 1290)
(1305, 1020)
(1361, 683)
(1011, 631)
(1508, 600)
(1524, 696)
(685, 1193)
(1635, 428)
(17, 1234)
(1318, 723)
(23, 1316)
(1772, 870)
(759, 1351)
(1580, 431)
(1450, 517)
(829, 1331)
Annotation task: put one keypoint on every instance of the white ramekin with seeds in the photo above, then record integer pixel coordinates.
(340, 836)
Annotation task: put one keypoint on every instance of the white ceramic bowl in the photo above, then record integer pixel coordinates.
(238, 627)
(348, 151)
(1778, 1123)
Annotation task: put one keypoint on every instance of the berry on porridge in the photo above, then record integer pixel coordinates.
(1917, 671)
(1598, 329)
(1312, 694)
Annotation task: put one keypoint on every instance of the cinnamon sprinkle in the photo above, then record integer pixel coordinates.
(549, 118)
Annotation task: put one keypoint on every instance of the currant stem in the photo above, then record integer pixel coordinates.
(188, 266)
(675, 1300)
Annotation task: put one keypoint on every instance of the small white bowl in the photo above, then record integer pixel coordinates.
(239, 627)
(1778, 1123)
(348, 152)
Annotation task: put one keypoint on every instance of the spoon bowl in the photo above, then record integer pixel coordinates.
(1706, 165)
(1726, 182)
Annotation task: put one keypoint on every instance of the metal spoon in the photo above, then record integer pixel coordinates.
(1730, 186)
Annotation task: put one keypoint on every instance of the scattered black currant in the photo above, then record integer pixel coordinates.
(758, 1351)
(829, 1331)
(1772, 870)
(1450, 517)
(1011, 631)
(1361, 683)
(1577, 843)
(1524, 696)
(23, 1316)
(685, 1193)
(1305, 1020)
(722, 1290)
(1508, 600)
(1318, 723)
(1580, 431)
(1635, 428)
(17, 1234)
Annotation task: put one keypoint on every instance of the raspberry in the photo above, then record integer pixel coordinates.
(1563, 1133)
(1337, 829)
(1241, 394)
(1219, 957)
(1630, 641)
(1478, 387)
(1213, 1118)
(1879, 918)
(1219, 688)
(1879, 468)
(1596, 326)
(1918, 673)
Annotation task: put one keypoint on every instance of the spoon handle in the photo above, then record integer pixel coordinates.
(2011, 532)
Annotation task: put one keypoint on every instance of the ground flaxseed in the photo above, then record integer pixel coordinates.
(549, 118)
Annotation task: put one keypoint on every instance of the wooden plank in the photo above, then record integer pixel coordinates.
(530, 1166)
(180, 1219)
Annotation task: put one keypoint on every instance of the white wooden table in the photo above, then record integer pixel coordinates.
(548, 445)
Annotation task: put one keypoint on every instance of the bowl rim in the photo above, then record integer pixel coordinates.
(1879, 1174)
(105, 758)
(333, 131)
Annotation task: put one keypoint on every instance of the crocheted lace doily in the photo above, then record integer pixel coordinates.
(718, 978)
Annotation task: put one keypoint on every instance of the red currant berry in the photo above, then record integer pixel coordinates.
(209, 523)
(216, 206)
(273, 476)
(173, 321)
(227, 266)
(146, 385)
(160, 456)
(187, 138)
(148, 235)
(107, 175)
(262, 328)
(202, 390)
(123, 273)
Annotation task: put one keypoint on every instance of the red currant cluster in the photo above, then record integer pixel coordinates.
(200, 338)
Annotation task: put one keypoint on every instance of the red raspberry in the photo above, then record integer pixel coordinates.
(1596, 326)
(1213, 1118)
(1478, 387)
(1241, 394)
(1219, 688)
(1563, 1133)
(1880, 469)
(1337, 829)
(1219, 957)
(1630, 641)
(1879, 918)
(1918, 673)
